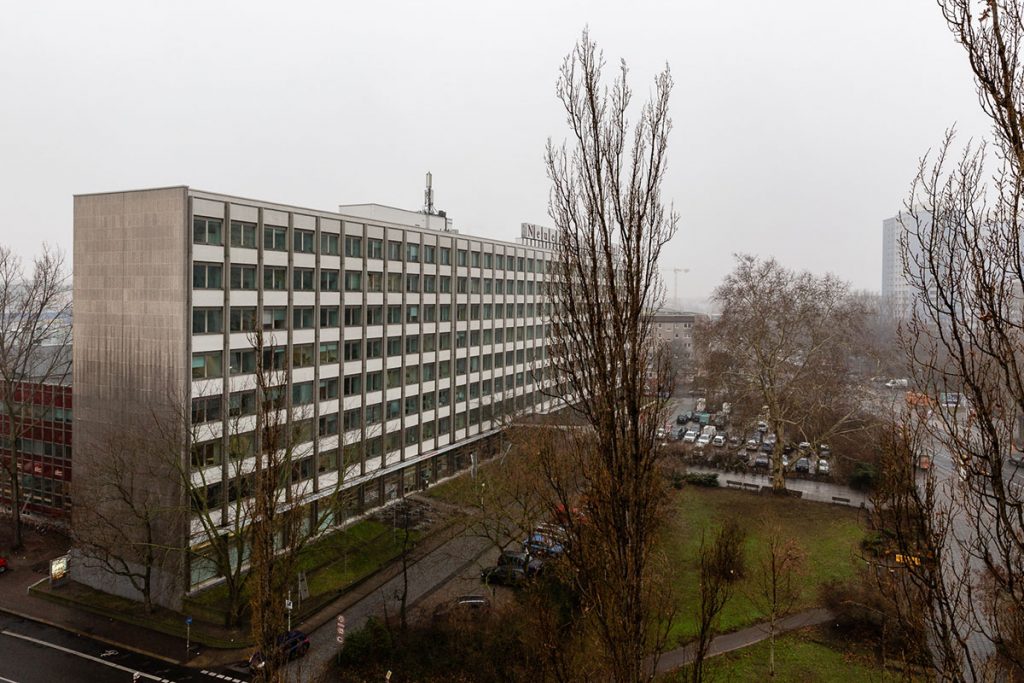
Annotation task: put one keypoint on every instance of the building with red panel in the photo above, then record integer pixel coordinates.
(44, 453)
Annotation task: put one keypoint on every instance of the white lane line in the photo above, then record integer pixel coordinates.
(222, 676)
(84, 656)
(6, 680)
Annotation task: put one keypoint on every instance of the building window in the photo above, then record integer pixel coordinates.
(275, 278)
(353, 349)
(242, 362)
(374, 248)
(207, 320)
(243, 234)
(206, 409)
(374, 282)
(353, 281)
(429, 253)
(446, 284)
(328, 423)
(394, 251)
(374, 315)
(395, 314)
(394, 346)
(374, 348)
(275, 317)
(328, 388)
(302, 355)
(275, 238)
(207, 275)
(302, 317)
(429, 284)
(352, 418)
(328, 316)
(302, 393)
(395, 283)
(353, 385)
(374, 381)
(412, 252)
(412, 313)
(207, 365)
(461, 254)
(242, 402)
(275, 358)
(329, 280)
(302, 279)
(304, 241)
(243, 277)
(328, 352)
(329, 243)
(353, 246)
(412, 344)
(206, 455)
(243, 319)
(353, 316)
(412, 283)
(207, 231)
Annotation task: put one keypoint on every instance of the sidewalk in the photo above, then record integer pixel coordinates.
(674, 659)
(16, 601)
(811, 489)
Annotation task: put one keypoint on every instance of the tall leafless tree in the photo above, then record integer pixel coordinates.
(607, 204)
(961, 248)
(777, 587)
(35, 337)
(782, 345)
(721, 560)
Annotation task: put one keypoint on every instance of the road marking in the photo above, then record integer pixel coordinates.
(6, 680)
(85, 656)
(222, 676)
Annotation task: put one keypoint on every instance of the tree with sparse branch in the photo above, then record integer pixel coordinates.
(35, 338)
(777, 583)
(961, 255)
(721, 562)
(782, 345)
(606, 203)
(119, 515)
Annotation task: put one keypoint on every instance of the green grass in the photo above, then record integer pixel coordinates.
(808, 656)
(335, 562)
(829, 536)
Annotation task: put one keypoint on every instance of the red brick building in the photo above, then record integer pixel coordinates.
(45, 454)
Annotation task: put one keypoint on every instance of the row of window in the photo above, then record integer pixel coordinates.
(210, 364)
(207, 275)
(240, 446)
(210, 320)
(275, 238)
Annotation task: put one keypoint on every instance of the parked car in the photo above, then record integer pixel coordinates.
(752, 445)
(690, 436)
(734, 441)
(503, 575)
(785, 461)
(704, 440)
(682, 418)
(525, 561)
(823, 466)
(719, 441)
(804, 446)
(463, 606)
(898, 383)
(3, 565)
(767, 447)
(787, 449)
(825, 450)
(762, 462)
(543, 544)
(291, 645)
(803, 466)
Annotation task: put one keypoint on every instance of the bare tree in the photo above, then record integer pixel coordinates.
(961, 249)
(607, 204)
(721, 563)
(782, 345)
(35, 337)
(119, 515)
(777, 587)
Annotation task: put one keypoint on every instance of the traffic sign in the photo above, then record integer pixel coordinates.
(341, 629)
(188, 621)
(288, 605)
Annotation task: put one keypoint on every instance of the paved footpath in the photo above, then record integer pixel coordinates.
(811, 489)
(674, 659)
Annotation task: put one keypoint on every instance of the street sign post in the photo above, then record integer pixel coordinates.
(188, 635)
(341, 629)
(288, 609)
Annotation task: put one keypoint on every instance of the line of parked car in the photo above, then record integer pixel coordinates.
(515, 567)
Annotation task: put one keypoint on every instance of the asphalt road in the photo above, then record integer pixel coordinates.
(31, 652)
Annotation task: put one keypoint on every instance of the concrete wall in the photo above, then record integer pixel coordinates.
(131, 326)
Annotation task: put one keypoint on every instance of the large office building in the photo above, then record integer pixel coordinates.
(403, 345)
(897, 292)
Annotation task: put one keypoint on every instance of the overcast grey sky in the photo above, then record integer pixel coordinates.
(798, 123)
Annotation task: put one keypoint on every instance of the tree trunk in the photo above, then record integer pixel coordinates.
(15, 502)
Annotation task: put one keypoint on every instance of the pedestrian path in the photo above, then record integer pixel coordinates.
(810, 489)
(674, 659)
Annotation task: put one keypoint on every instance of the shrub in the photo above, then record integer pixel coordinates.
(864, 477)
(709, 480)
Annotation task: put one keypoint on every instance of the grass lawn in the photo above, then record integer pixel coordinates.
(807, 656)
(337, 561)
(829, 536)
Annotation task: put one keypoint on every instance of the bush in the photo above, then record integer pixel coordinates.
(864, 477)
(709, 480)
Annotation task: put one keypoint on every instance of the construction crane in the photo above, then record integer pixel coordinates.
(675, 285)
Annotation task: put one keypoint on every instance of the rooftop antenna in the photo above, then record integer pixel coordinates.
(428, 196)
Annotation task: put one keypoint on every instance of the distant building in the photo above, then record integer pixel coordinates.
(676, 330)
(44, 454)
